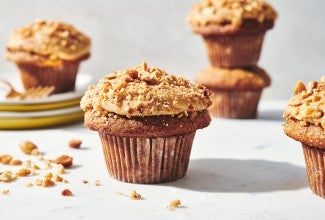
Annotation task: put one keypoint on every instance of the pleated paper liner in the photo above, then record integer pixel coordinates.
(147, 160)
(315, 167)
(236, 50)
(235, 103)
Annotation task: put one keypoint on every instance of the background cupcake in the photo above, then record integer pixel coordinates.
(146, 120)
(233, 30)
(235, 92)
(305, 122)
(48, 53)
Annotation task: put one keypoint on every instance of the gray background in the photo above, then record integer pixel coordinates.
(126, 32)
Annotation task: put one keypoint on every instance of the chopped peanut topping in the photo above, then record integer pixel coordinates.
(74, 143)
(27, 147)
(135, 196)
(23, 172)
(66, 192)
(174, 204)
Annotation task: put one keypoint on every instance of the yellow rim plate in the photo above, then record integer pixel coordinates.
(40, 122)
(39, 107)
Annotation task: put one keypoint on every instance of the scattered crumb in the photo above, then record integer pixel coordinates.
(174, 204)
(65, 181)
(5, 158)
(16, 162)
(34, 152)
(27, 147)
(97, 183)
(40, 157)
(35, 167)
(7, 176)
(135, 196)
(23, 172)
(5, 192)
(65, 160)
(74, 143)
(66, 192)
(46, 182)
(47, 165)
(57, 178)
(28, 185)
(27, 164)
(119, 193)
(49, 175)
(60, 169)
(85, 181)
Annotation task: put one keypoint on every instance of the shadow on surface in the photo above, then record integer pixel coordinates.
(272, 115)
(232, 175)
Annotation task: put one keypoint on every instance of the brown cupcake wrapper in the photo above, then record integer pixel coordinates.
(147, 160)
(62, 77)
(234, 50)
(315, 167)
(234, 104)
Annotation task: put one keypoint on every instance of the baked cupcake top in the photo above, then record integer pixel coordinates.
(308, 104)
(234, 78)
(47, 40)
(230, 12)
(144, 91)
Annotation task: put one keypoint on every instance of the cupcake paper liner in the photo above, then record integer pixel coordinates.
(63, 77)
(147, 160)
(315, 160)
(234, 50)
(235, 104)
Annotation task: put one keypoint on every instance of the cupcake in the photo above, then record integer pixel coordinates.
(305, 122)
(235, 93)
(146, 120)
(48, 53)
(233, 30)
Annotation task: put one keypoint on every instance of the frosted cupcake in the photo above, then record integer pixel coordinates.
(235, 92)
(48, 53)
(305, 122)
(146, 120)
(233, 30)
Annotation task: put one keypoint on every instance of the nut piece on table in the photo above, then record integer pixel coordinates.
(75, 143)
(5, 158)
(16, 162)
(27, 147)
(7, 176)
(135, 196)
(66, 192)
(23, 172)
(65, 160)
(174, 204)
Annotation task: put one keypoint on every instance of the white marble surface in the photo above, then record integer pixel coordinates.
(239, 169)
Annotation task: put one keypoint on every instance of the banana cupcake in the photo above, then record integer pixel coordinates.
(233, 30)
(146, 120)
(235, 93)
(48, 53)
(305, 122)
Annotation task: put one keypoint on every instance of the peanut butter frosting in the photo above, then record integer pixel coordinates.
(50, 40)
(234, 78)
(144, 91)
(308, 103)
(230, 12)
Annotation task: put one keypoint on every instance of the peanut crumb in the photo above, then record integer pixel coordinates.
(5, 158)
(46, 182)
(65, 181)
(65, 160)
(75, 143)
(40, 157)
(60, 169)
(23, 172)
(66, 192)
(85, 181)
(35, 167)
(135, 196)
(49, 175)
(16, 162)
(27, 164)
(97, 183)
(27, 147)
(34, 152)
(174, 204)
(7, 176)
(47, 165)
(5, 192)
(28, 185)
(57, 178)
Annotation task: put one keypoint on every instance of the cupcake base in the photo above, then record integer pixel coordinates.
(147, 160)
(62, 77)
(234, 50)
(315, 167)
(235, 104)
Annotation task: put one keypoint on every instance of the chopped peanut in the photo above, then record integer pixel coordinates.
(16, 162)
(135, 196)
(5, 158)
(66, 192)
(23, 172)
(65, 160)
(27, 147)
(74, 143)
(60, 169)
(174, 204)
